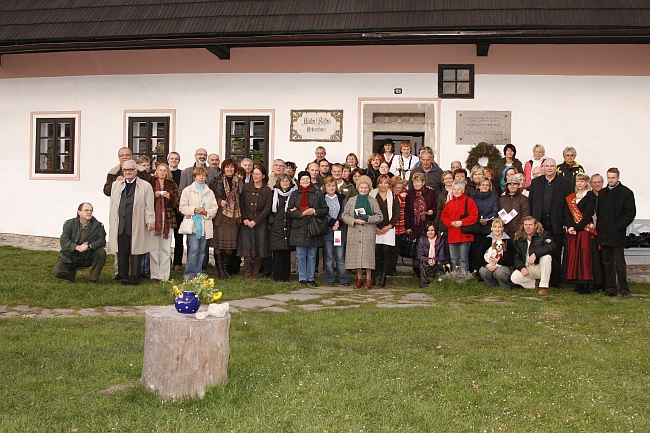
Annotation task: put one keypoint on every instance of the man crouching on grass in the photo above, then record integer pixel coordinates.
(82, 246)
(534, 247)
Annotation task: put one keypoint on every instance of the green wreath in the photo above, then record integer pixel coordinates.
(483, 150)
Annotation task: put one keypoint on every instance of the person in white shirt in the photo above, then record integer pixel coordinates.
(405, 162)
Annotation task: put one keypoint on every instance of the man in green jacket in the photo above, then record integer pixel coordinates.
(82, 246)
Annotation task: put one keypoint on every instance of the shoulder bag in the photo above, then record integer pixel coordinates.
(475, 228)
(317, 226)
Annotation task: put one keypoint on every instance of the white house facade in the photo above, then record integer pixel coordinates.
(86, 105)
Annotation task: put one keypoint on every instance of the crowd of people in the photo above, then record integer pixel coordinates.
(536, 224)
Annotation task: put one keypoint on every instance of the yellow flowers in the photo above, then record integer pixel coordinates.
(201, 285)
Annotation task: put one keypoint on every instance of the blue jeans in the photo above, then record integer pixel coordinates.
(146, 263)
(329, 252)
(306, 258)
(195, 254)
(459, 255)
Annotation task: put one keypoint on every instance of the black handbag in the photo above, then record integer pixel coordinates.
(408, 247)
(475, 228)
(317, 226)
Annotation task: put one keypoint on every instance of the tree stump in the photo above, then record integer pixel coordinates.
(184, 355)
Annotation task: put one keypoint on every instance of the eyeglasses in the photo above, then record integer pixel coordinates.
(128, 169)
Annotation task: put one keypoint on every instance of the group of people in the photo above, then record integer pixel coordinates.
(509, 224)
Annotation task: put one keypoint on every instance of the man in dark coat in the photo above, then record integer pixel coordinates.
(432, 171)
(616, 211)
(82, 246)
(534, 248)
(548, 205)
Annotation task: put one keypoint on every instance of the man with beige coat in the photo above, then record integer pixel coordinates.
(132, 220)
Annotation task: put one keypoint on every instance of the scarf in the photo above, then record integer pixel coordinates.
(389, 200)
(277, 192)
(198, 218)
(419, 208)
(362, 202)
(304, 199)
(161, 229)
(432, 247)
(231, 211)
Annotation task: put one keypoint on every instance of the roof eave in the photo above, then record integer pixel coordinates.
(554, 36)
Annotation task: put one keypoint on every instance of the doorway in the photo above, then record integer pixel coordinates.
(416, 139)
(399, 121)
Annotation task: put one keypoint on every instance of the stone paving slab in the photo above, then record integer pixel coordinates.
(421, 297)
(292, 297)
(275, 309)
(255, 303)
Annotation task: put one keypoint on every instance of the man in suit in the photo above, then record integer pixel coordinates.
(548, 205)
(616, 211)
(131, 223)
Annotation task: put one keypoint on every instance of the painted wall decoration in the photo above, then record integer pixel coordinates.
(316, 125)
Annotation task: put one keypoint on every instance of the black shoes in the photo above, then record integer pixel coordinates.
(313, 283)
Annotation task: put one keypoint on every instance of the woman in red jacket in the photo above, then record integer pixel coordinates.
(459, 211)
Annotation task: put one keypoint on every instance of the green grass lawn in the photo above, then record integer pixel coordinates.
(567, 363)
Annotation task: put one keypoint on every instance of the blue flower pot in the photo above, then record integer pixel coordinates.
(188, 304)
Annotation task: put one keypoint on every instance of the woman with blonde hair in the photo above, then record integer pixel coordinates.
(165, 198)
(385, 240)
(374, 162)
(199, 204)
(581, 259)
(497, 255)
(539, 154)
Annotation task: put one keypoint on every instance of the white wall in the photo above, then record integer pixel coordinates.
(606, 118)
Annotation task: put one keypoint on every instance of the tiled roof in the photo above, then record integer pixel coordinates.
(282, 22)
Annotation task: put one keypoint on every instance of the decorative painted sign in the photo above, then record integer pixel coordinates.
(473, 127)
(316, 125)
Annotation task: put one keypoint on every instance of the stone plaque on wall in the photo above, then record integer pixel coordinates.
(473, 127)
(316, 125)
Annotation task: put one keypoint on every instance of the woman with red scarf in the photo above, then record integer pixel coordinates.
(306, 202)
(421, 205)
(165, 193)
(581, 259)
(227, 188)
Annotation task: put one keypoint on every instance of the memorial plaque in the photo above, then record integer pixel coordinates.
(316, 125)
(473, 127)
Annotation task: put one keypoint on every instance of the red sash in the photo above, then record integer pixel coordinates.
(577, 215)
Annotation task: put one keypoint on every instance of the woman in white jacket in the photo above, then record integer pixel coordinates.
(199, 204)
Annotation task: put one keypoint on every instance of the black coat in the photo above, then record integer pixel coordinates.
(298, 234)
(541, 245)
(616, 211)
(560, 189)
(280, 227)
